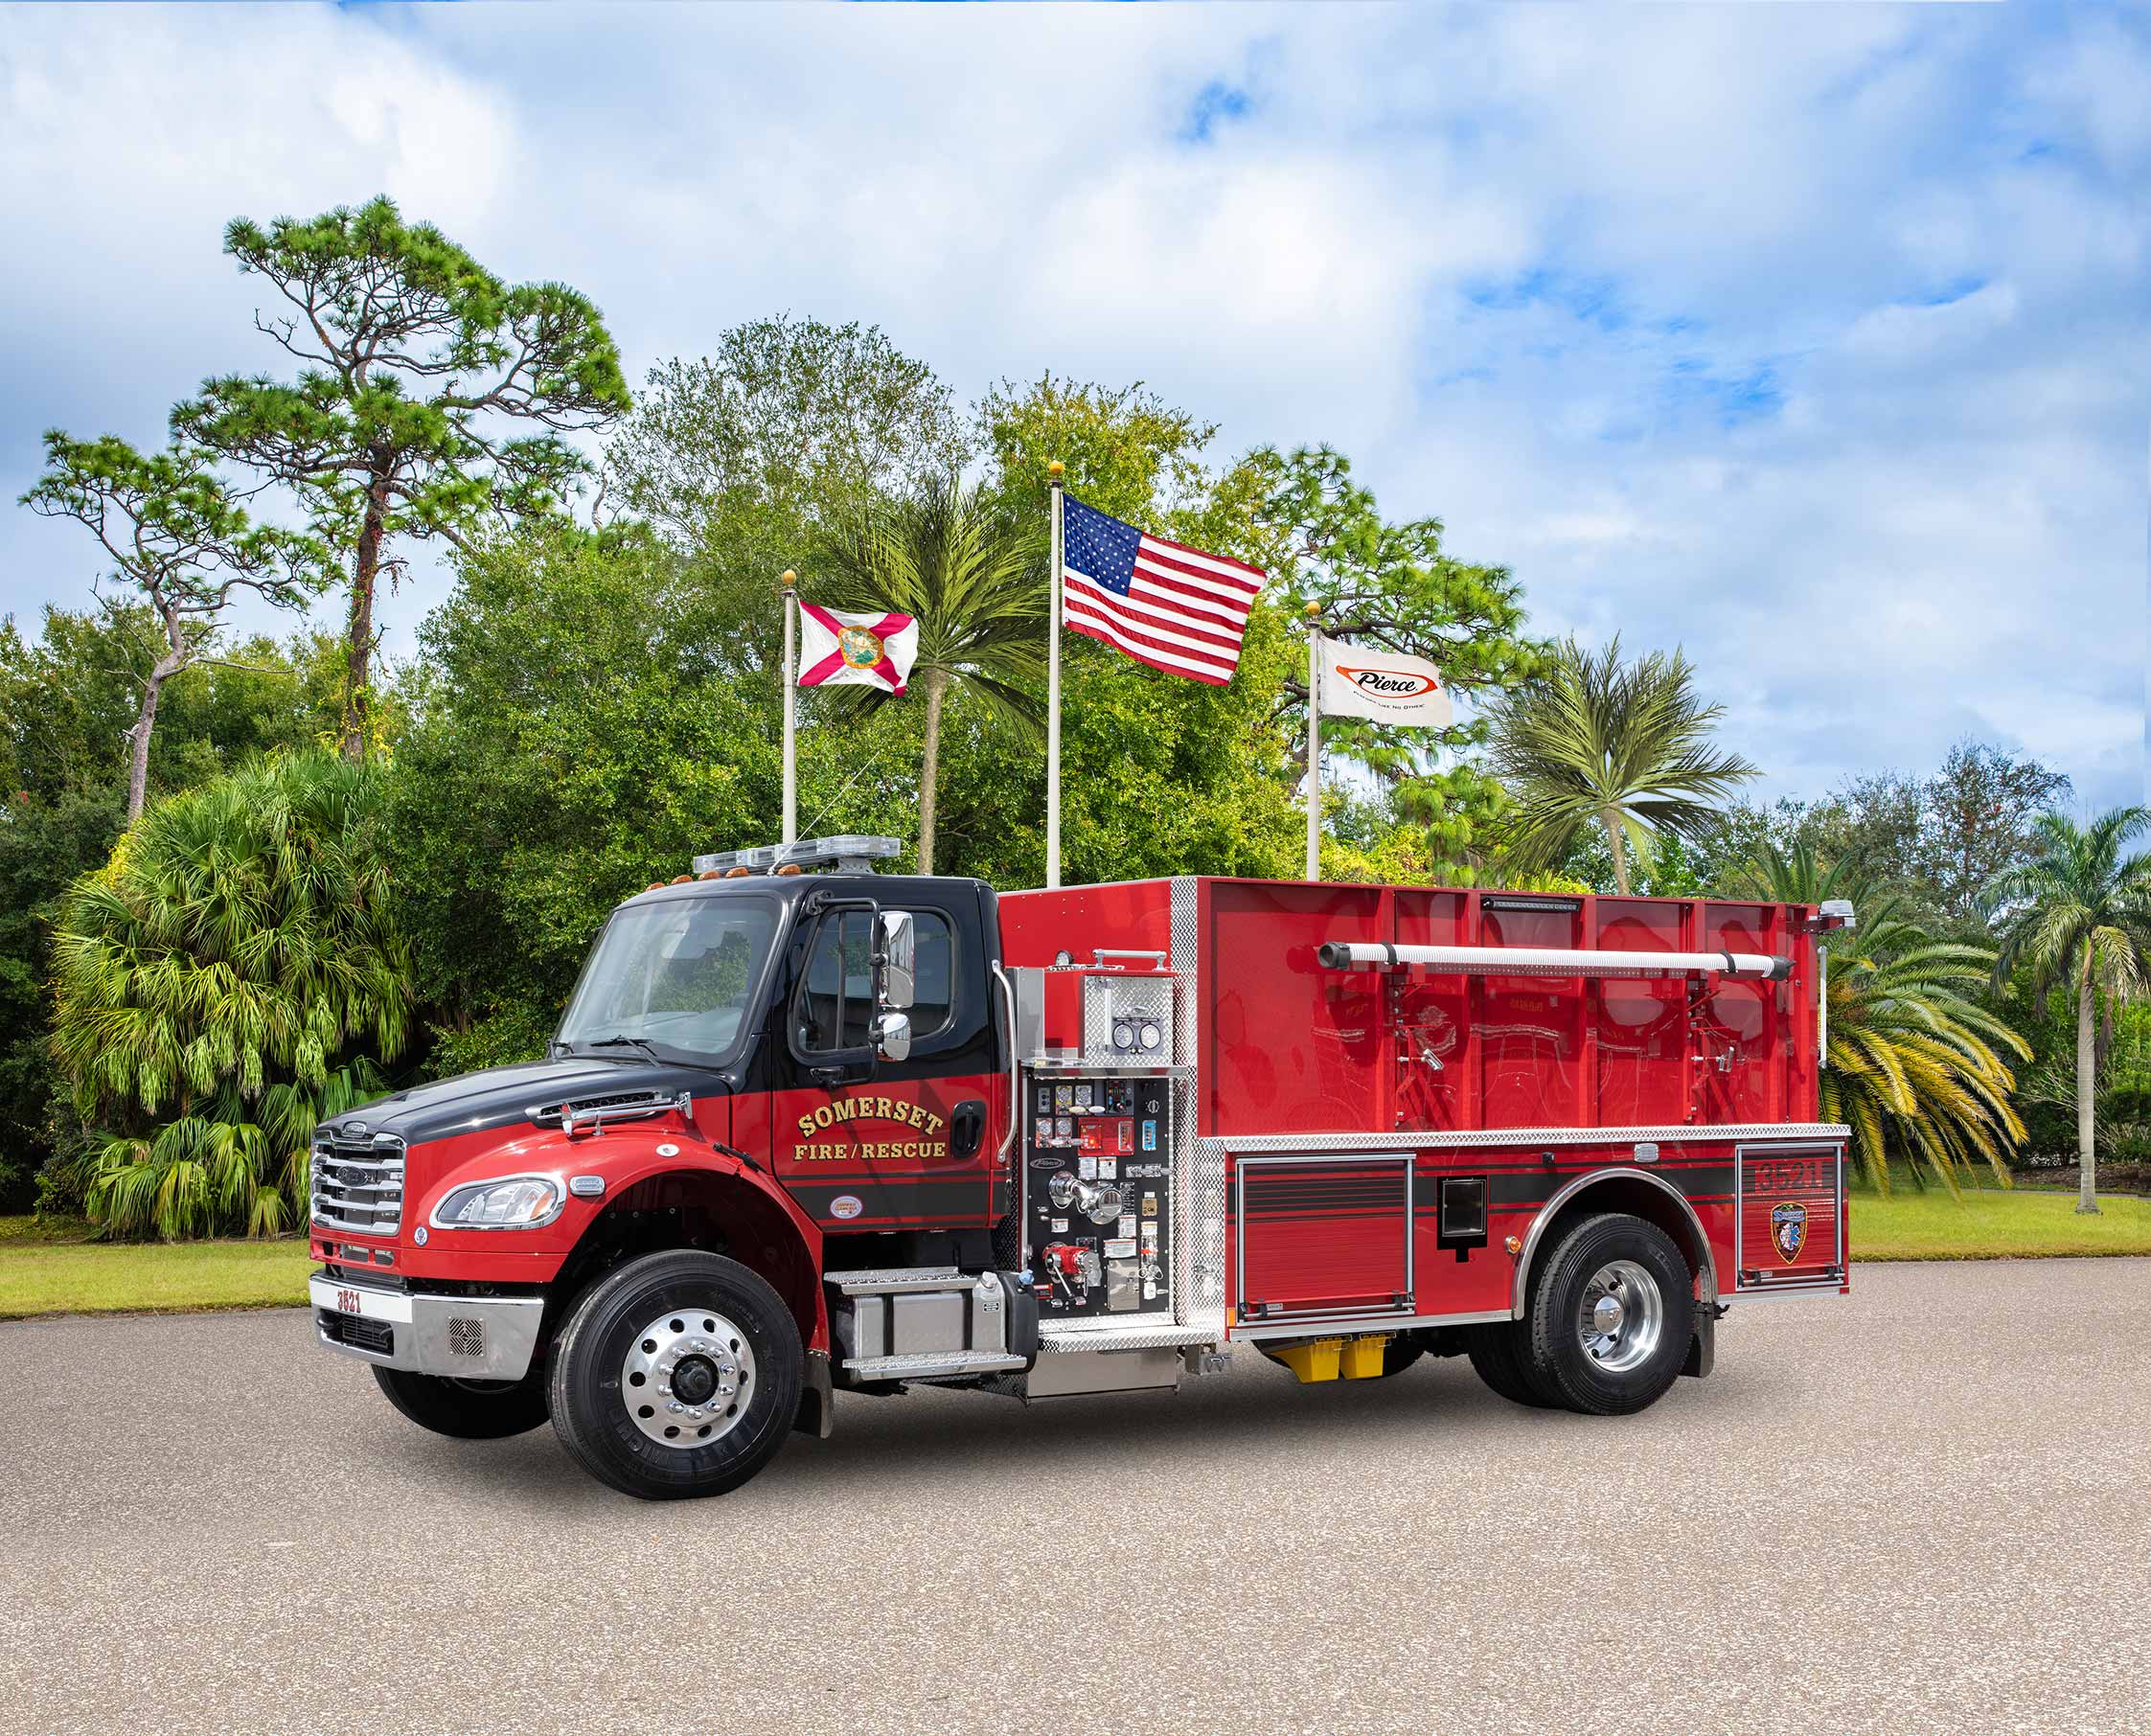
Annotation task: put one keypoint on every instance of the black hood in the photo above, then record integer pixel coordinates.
(502, 1095)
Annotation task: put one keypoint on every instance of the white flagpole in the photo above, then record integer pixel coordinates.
(1053, 697)
(1314, 745)
(791, 583)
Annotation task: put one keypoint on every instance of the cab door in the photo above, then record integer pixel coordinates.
(870, 1144)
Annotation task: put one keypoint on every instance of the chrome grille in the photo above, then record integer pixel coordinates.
(358, 1183)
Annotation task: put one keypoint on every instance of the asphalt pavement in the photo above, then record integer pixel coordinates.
(1924, 1508)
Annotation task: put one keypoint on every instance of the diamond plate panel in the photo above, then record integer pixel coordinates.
(1197, 1164)
(1108, 998)
(1504, 1138)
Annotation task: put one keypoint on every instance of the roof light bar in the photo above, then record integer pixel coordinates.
(1546, 961)
(849, 852)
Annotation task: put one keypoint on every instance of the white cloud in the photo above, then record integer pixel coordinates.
(1811, 341)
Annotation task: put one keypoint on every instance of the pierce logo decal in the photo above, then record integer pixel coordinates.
(1788, 1229)
(1390, 684)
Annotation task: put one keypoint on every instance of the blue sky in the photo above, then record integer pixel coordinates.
(1814, 340)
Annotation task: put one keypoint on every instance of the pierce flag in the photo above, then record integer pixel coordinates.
(839, 648)
(1385, 686)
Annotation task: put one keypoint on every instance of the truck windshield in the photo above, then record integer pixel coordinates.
(677, 975)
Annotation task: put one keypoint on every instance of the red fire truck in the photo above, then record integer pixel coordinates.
(804, 1132)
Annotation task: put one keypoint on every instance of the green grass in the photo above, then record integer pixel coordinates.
(51, 1269)
(1991, 1224)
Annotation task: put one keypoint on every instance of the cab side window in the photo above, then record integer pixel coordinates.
(836, 997)
(835, 1008)
(935, 964)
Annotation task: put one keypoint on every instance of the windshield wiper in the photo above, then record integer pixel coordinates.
(628, 1042)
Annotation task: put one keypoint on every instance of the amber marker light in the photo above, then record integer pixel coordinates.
(1515, 1245)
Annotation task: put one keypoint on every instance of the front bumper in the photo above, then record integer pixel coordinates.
(468, 1337)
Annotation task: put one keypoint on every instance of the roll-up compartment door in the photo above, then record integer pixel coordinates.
(1323, 1238)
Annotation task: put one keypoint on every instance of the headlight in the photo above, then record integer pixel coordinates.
(517, 1203)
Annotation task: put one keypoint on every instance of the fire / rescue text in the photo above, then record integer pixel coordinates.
(869, 1108)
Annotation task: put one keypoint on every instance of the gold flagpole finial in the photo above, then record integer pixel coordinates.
(1054, 470)
(790, 579)
(1312, 611)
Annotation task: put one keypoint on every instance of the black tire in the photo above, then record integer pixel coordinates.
(591, 1410)
(1498, 1355)
(466, 1410)
(1561, 1365)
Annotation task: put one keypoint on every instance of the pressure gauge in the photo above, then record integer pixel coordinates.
(1124, 1035)
(1153, 1035)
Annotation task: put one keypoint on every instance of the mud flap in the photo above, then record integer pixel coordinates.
(817, 1399)
(1703, 1346)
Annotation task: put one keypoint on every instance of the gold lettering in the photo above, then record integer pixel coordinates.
(806, 1126)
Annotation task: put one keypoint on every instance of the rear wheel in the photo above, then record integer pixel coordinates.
(1500, 1355)
(1610, 1317)
(466, 1410)
(676, 1376)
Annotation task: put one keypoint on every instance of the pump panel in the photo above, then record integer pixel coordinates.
(1098, 1193)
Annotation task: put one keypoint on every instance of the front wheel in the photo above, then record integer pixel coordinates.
(676, 1376)
(466, 1410)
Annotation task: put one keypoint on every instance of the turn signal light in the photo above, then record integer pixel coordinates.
(1515, 1245)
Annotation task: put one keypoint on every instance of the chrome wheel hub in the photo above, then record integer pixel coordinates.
(687, 1378)
(1623, 1316)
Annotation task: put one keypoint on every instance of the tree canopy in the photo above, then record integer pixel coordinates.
(416, 366)
(180, 542)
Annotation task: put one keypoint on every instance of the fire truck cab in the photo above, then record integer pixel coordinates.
(802, 1132)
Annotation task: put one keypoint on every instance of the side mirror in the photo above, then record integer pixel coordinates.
(893, 973)
(892, 1035)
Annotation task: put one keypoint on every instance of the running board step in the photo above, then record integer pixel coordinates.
(903, 1280)
(1120, 1334)
(931, 1364)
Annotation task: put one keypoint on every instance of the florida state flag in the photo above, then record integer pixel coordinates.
(837, 646)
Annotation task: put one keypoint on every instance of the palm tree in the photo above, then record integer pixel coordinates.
(979, 594)
(1913, 1062)
(1623, 747)
(230, 975)
(2080, 914)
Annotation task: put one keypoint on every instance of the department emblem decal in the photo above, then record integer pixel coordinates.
(1788, 1230)
(860, 647)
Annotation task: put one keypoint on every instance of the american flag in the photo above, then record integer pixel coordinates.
(1163, 604)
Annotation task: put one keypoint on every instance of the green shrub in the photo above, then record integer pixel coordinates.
(233, 973)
